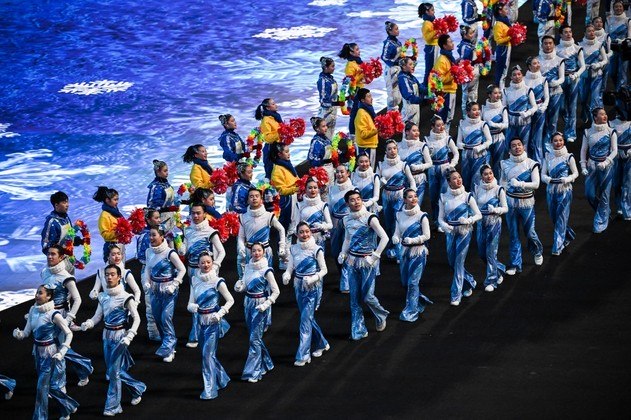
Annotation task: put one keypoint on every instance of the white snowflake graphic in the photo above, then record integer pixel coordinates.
(323, 3)
(96, 88)
(283, 34)
(4, 133)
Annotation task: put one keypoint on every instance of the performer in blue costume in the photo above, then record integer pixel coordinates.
(390, 54)
(115, 307)
(367, 182)
(440, 146)
(203, 300)
(44, 322)
(360, 254)
(574, 59)
(230, 141)
(339, 210)
(258, 278)
(598, 151)
(458, 212)
(307, 264)
(412, 92)
(241, 187)
(64, 287)
(162, 197)
(491, 200)
(57, 225)
(395, 176)
(128, 281)
(591, 81)
(466, 51)
(559, 171)
(520, 178)
(544, 16)
(521, 104)
(313, 211)
(328, 94)
(152, 218)
(539, 85)
(494, 113)
(603, 39)
(412, 232)
(474, 139)
(553, 69)
(618, 27)
(320, 150)
(165, 271)
(415, 153)
(622, 172)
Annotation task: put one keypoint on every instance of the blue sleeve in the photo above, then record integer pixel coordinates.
(316, 152)
(469, 14)
(407, 90)
(325, 90)
(389, 53)
(156, 196)
(239, 199)
(50, 234)
(228, 148)
(465, 52)
(213, 212)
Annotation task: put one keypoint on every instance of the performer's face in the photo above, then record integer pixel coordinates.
(41, 295)
(439, 126)
(116, 256)
(112, 201)
(618, 8)
(566, 35)
(547, 45)
(590, 33)
(363, 163)
(254, 199)
(257, 252)
(558, 142)
(304, 233)
(516, 147)
(455, 180)
(413, 133)
(535, 66)
(392, 150)
(474, 112)
(205, 264)
(197, 214)
(312, 190)
(154, 219)
(201, 153)
(495, 95)
(322, 127)
(155, 239)
(341, 174)
(53, 257)
(62, 207)
(163, 172)
(112, 279)
(231, 124)
(487, 175)
(411, 199)
(355, 202)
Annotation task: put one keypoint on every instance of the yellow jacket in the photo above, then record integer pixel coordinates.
(429, 34)
(269, 129)
(283, 180)
(199, 177)
(107, 226)
(365, 130)
(353, 70)
(500, 34)
(443, 67)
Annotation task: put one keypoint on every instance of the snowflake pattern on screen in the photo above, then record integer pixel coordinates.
(96, 88)
(296, 32)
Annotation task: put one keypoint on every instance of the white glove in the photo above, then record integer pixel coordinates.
(464, 220)
(58, 356)
(368, 203)
(524, 114)
(93, 294)
(396, 240)
(372, 259)
(70, 318)
(312, 280)
(572, 76)
(416, 167)
(601, 165)
(192, 307)
(410, 241)
(264, 306)
(516, 183)
(215, 318)
(585, 172)
(241, 252)
(239, 286)
(286, 278)
(19, 334)
(126, 341)
(341, 258)
(479, 149)
(282, 252)
(87, 325)
(491, 209)
(216, 268)
(543, 108)
(566, 180)
(146, 287)
(171, 288)
(317, 226)
(448, 228)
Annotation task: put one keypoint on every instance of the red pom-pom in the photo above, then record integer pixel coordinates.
(137, 220)
(231, 172)
(372, 70)
(226, 226)
(389, 124)
(298, 125)
(124, 233)
(517, 34)
(441, 27)
(452, 22)
(462, 72)
(219, 180)
(321, 175)
(289, 131)
(302, 185)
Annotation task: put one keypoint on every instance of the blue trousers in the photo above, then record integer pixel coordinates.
(498, 153)
(392, 202)
(598, 190)
(552, 117)
(457, 248)
(622, 186)
(570, 102)
(213, 373)
(536, 147)
(590, 89)
(471, 167)
(502, 61)
(362, 287)
(559, 209)
(488, 233)
(429, 51)
(310, 332)
(163, 307)
(259, 360)
(337, 240)
(526, 217)
(118, 360)
(618, 70)
(412, 267)
(437, 185)
(45, 365)
(80, 365)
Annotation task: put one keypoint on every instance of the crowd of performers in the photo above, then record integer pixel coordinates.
(505, 148)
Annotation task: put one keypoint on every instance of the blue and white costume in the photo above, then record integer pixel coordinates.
(239, 196)
(395, 177)
(256, 227)
(605, 40)
(327, 90)
(553, 69)
(55, 230)
(127, 281)
(360, 256)
(440, 145)
(474, 139)
(458, 212)
(574, 59)
(206, 288)
(232, 144)
(416, 156)
(45, 322)
(592, 11)
(390, 55)
(320, 155)
(466, 51)
(198, 238)
(591, 81)
(521, 104)
(142, 245)
(412, 94)
(258, 278)
(559, 171)
(162, 197)
(495, 115)
(64, 288)
(339, 209)
(165, 271)
(115, 307)
(520, 178)
(543, 14)
(618, 28)
(369, 185)
(491, 200)
(622, 172)
(470, 14)
(308, 266)
(412, 232)
(598, 151)
(316, 213)
(539, 85)
(9, 384)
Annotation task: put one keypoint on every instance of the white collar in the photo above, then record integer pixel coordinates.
(114, 291)
(392, 162)
(437, 136)
(599, 32)
(519, 158)
(368, 173)
(58, 268)
(473, 121)
(496, 104)
(533, 75)
(46, 307)
(549, 56)
(257, 212)
(411, 142)
(160, 248)
(600, 127)
(411, 212)
(457, 191)
(567, 44)
(519, 85)
(346, 185)
(260, 264)
(308, 244)
(488, 185)
(589, 41)
(206, 277)
(361, 212)
(201, 225)
(561, 152)
(312, 201)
